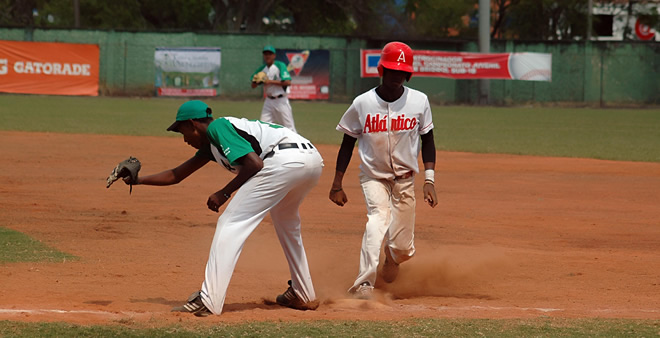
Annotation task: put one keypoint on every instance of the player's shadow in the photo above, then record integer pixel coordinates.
(402, 295)
(159, 300)
(99, 302)
(238, 307)
(234, 307)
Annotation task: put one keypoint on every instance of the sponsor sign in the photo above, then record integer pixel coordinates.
(189, 71)
(310, 73)
(461, 65)
(51, 68)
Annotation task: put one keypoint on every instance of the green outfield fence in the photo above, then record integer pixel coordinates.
(594, 73)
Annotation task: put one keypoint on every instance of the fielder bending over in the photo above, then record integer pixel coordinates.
(275, 169)
(389, 121)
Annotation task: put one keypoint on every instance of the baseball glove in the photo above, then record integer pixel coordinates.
(260, 77)
(128, 168)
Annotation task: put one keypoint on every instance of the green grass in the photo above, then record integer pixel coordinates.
(614, 134)
(404, 328)
(18, 247)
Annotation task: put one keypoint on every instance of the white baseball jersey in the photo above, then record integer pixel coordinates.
(232, 138)
(278, 188)
(276, 71)
(388, 132)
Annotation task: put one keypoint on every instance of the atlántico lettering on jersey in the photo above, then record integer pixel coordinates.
(377, 124)
(388, 132)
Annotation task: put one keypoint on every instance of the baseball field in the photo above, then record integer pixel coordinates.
(548, 224)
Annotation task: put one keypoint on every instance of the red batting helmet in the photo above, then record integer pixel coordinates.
(396, 56)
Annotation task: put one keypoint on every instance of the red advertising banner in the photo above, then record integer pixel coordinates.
(49, 68)
(462, 65)
(310, 73)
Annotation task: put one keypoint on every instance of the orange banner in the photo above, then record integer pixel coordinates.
(49, 68)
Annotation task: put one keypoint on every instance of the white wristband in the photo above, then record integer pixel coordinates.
(429, 175)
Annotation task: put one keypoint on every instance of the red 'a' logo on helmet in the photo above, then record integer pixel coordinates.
(402, 57)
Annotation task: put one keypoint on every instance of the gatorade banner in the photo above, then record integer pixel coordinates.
(310, 73)
(461, 65)
(188, 71)
(51, 68)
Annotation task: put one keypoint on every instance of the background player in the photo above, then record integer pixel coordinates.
(277, 108)
(275, 168)
(388, 120)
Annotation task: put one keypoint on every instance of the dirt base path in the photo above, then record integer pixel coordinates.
(513, 236)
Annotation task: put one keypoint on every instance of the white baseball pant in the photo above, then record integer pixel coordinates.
(278, 111)
(391, 215)
(280, 187)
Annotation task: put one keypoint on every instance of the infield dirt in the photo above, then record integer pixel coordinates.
(512, 236)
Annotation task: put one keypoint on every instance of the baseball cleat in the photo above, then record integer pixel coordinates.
(194, 306)
(363, 291)
(390, 268)
(291, 300)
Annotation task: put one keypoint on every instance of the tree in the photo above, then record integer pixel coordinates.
(17, 13)
(335, 17)
(240, 15)
(175, 14)
(548, 19)
(501, 21)
(429, 18)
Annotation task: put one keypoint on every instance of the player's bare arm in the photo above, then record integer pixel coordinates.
(337, 194)
(176, 175)
(250, 165)
(428, 158)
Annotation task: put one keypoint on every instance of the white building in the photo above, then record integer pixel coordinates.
(619, 20)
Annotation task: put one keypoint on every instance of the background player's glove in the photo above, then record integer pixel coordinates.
(127, 169)
(260, 77)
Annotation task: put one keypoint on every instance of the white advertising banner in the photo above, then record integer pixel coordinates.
(188, 71)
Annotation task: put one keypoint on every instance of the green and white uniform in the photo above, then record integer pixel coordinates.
(279, 187)
(277, 108)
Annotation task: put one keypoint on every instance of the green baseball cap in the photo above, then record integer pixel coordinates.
(190, 110)
(269, 48)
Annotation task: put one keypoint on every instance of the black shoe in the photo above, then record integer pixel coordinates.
(194, 306)
(290, 299)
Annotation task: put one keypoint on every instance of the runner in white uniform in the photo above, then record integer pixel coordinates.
(277, 108)
(389, 121)
(275, 169)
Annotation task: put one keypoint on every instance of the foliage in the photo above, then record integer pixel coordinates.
(401, 19)
(240, 15)
(548, 19)
(17, 13)
(430, 18)
(500, 18)
(344, 17)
